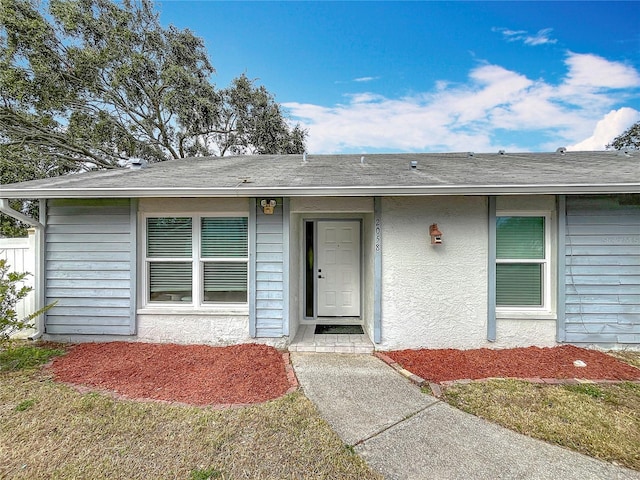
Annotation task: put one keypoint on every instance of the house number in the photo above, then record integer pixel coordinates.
(378, 234)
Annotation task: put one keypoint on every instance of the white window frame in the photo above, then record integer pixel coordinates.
(197, 264)
(544, 311)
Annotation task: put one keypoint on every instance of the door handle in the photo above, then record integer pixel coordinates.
(320, 276)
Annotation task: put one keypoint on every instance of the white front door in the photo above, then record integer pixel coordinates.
(338, 269)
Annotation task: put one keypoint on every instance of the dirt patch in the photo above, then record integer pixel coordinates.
(530, 362)
(193, 374)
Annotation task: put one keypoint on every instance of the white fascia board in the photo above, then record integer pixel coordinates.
(350, 191)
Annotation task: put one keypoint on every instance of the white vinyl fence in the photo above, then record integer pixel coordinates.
(20, 254)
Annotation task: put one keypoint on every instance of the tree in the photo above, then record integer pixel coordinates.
(254, 123)
(92, 83)
(630, 138)
(19, 164)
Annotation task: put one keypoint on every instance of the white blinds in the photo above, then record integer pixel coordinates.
(520, 254)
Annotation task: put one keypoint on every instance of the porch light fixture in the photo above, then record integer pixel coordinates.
(436, 235)
(268, 206)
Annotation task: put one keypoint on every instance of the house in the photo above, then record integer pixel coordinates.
(456, 250)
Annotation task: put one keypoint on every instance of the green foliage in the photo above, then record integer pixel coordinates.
(20, 164)
(206, 474)
(629, 139)
(591, 390)
(25, 405)
(12, 290)
(92, 83)
(21, 357)
(256, 121)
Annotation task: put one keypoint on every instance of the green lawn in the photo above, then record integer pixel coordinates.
(602, 421)
(49, 430)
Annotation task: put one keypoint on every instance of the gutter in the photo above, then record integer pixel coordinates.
(324, 191)
(38, 274)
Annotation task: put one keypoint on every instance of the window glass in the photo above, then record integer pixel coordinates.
(520, 261)
(520, 237)
(519, 284)
(170, 282)
(169, 237)
(225, 282)
(178, 273)
(224, 237)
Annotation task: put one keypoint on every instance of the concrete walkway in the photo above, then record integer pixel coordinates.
(406, 434)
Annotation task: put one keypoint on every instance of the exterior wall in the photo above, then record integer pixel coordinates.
(216, 325)
(316, 205)
(301, 208)
(296, 278)
(270, 309)
(531, 329)
(603, 270)
(191, 205)
(88, 272)
(199, 329)
(368, 249)
(435, 296)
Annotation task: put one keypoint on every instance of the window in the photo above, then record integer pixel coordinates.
(197, 260)
(522, 262)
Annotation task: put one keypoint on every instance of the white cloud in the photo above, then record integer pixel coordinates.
(478, 114)
(612, 124)
(592, 71)
(542, 37)
(365, 79)
(357, 80)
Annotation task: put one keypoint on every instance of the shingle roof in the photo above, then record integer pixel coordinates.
(353, 175)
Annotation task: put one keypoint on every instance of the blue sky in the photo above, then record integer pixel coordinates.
(365, 77)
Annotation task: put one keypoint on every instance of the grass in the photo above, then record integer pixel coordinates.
(602, 421)
(22, 355)
(49, 430)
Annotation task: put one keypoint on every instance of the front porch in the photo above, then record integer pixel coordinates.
(306, 340)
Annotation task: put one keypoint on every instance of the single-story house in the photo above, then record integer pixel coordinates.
(456, 250)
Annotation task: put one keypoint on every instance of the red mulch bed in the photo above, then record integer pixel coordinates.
(193, 374)
(530, 362)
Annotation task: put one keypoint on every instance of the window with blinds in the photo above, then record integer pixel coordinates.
(197, 260)
(224, 252)
(520, 261)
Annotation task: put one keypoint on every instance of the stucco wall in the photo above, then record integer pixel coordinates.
(527, 329)
(301, 208)
(296, 282)
(220, 326)
(194, 205)
(199, 328)
(368, 249)
(331, 205)
(436, 296)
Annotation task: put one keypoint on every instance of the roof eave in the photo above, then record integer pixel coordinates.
(349, 191)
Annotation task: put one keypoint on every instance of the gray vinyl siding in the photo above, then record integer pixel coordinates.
(602, 298)
(270, 261)
(89, 266)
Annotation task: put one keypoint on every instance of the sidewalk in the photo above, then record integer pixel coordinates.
(406, 434)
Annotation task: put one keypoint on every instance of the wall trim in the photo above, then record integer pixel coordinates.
(561, 262)
(377, 271)
(491, 272)
(252, 266)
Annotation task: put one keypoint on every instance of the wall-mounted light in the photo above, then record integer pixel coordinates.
(268, 206)
(436, 235)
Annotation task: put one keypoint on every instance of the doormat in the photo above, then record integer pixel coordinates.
(339, 329)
